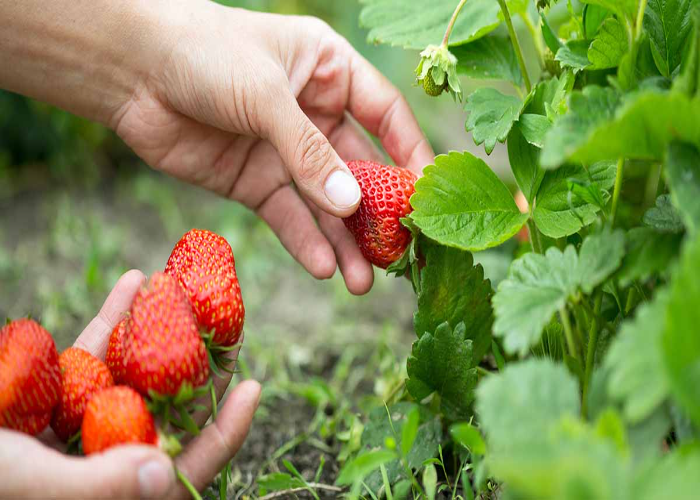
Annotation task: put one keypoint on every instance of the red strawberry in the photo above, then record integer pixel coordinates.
(83, 375)
(162, 347)
(203, 263)
(115, 352)
(117, 415)
(30, 379)
(31, 424)
(375, 225)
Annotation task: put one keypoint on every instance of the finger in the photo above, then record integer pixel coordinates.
(381, 109)
(356, 270)
(95, 337)
(220, 385)
(318, 171)
(293, 224)
(207, 454)
(121, 472)
(353, 143)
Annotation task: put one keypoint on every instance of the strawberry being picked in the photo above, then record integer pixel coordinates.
(203, 263)
(376, 224)
(82, 375)
(30, 378)
(162, 350)
(114, 416)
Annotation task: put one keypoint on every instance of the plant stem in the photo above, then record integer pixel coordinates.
(534, 233)
(516, 44)
(451, 25)
(188, 486)
(536, 37)
(568, 332)
(618, 188)
(590, 355)
(640, 19)
(483, 371)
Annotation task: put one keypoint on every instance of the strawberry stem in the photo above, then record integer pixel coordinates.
(516, 45)
(451, 25)
(214, 406)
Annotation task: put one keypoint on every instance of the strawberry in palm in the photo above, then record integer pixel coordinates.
(82, 376)
(30, 378)
(114, 416)
(376, 225)
(203, 263)
(162, 350)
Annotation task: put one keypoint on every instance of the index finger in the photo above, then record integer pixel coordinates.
(385, 113)
(95, 337)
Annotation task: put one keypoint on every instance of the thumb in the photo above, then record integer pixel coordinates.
(121, 472)
(318, 171)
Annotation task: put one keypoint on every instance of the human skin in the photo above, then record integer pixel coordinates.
(31, 468)
(259, 108)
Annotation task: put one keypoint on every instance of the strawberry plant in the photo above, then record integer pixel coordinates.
(577, 374)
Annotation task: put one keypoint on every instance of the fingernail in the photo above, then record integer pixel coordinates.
(342, 189)
(155, 479)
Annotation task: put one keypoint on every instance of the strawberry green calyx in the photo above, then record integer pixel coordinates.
(437, 72)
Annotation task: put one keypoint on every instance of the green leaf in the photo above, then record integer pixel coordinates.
(674, 476)
(469, 437)
(683, 172)
(681, 342)
(668, 23)
(536, 443)
(560, 212)
(539, 285)
(593, 17)
(587, 110)
(637, 377)
(689, 78)
(278, 481)
(453, 289)
(600, 255)
(610, 45)
(410, 431)
(460, 202)
(664, 217)
(549, 98)
(439, 363)
(574, 55)
(550, 38)
(524, 162)
(625, 9)
(536, 288)
(534, 128)
(640, 129)
(491, 116)
(491, 57)
(382, 425)
(648, 252)
(408, 24)
(360, 466)
(430, 481)
(522, 403)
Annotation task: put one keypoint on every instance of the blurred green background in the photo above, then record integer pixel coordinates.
(77, 209)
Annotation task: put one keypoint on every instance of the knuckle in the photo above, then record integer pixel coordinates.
(313, 154)
(315, 25)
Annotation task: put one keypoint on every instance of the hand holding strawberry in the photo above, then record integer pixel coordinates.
(124, 471)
